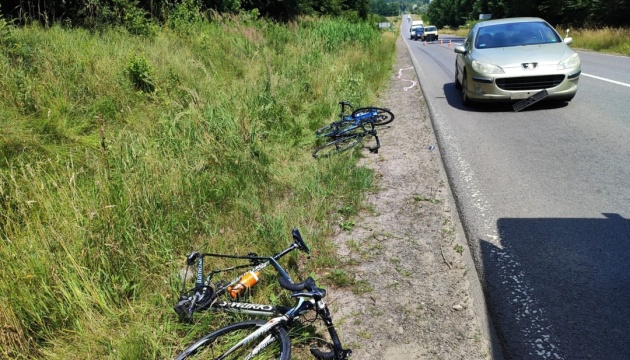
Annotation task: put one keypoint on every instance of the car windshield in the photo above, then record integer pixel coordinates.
(431, 28)
(515, 34)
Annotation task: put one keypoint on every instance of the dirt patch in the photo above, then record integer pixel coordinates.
(413, 295)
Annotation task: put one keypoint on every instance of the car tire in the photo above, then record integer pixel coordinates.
(457, 84)
(465, 99)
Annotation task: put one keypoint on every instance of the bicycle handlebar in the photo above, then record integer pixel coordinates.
(286, 282)
(308, 284)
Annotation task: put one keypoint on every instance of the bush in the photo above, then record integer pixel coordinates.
(140, 73)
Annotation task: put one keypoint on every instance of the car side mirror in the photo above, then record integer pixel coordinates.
(567, 39)
(460, 49)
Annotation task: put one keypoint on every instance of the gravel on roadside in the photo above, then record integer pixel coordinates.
(414, 292)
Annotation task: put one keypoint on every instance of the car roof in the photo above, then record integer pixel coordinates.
(510, 21)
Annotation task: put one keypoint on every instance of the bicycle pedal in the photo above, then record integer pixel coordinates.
(183, 313)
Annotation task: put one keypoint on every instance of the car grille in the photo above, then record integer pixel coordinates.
(530, 82)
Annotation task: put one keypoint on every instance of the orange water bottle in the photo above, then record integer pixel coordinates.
(247, 281)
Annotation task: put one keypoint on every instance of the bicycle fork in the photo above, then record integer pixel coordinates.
(372, 131)
(338, 353)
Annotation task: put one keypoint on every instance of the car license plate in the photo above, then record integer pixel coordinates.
(530, 100)
(520, 96)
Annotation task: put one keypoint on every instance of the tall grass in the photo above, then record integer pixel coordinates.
(608, 40)
(120, 154)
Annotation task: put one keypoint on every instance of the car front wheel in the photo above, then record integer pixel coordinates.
(457, 84)
(465, 99)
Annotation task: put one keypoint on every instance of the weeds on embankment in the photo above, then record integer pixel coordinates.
(120, 154)
(606, 40)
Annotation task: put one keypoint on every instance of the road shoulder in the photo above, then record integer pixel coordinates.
(414, 292)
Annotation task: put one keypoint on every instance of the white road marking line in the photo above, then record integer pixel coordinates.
(604, 79)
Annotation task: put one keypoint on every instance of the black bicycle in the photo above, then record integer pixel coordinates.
(205, 295)
(259, 339)
(355, 120)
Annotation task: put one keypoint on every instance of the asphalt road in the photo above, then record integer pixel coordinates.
(544, 196)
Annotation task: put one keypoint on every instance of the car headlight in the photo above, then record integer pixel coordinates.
(485, 68)
(570, 62)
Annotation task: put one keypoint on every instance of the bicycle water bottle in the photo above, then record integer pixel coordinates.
(247, 281)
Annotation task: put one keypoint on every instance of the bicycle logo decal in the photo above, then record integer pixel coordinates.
(413, 82)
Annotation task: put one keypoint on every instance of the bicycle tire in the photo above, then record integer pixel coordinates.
(338, 145)
(382, 117)
(213, 345)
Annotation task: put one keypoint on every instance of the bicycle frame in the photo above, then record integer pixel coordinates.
(205, 296)
(349, 122)
(248, 308)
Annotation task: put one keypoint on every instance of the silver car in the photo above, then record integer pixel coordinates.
(515, 59)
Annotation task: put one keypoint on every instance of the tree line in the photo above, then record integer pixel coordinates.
(135, 13)
(579, 13)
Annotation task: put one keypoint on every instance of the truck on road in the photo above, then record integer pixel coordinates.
(415, 24)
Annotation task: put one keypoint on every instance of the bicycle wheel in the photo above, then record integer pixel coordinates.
(215, 344)
(379, 116)
(338, 145)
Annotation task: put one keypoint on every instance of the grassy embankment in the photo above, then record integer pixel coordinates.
(120, 154)
(606, 40)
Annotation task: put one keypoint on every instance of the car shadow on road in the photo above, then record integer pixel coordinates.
(454, 98)
(561, 285)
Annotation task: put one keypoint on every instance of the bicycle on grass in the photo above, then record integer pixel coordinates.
(348, 140)
(355, 120)
(205, 295)
(259, 339)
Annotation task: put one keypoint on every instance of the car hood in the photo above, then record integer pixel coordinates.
(514, 56)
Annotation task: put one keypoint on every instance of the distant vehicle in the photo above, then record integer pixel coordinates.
(414, 24)
(430, 33)
(515, 59)
(416, 33)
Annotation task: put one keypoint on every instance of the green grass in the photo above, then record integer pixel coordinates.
(608, 40)
(120, 154)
